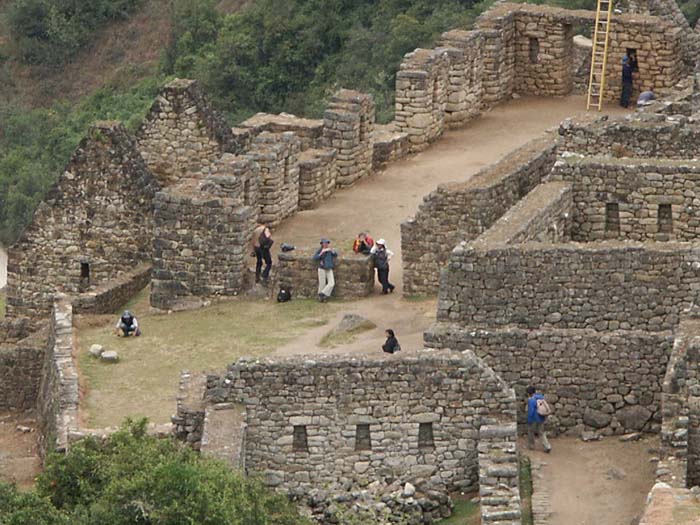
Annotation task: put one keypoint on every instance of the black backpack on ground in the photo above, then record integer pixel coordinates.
(284, 295)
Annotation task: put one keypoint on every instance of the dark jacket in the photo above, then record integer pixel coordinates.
(627, 71)
(327, 260)
(265, 242)
(392, 345)
(381, 259)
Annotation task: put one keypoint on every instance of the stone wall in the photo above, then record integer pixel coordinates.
(309, 131)
(581, 65)
(182, 133)
(499, 479)
(499, 56)
(389, 146)
(277, 155)
(348, 123)
(609, 382)
(462, 211)
(318, 175)
(465, 90)
(110, 297)
(20, 370)
(544, 215)
(200, 246)
(651, 200)
(59, 390)
(422, 85)
(298, 272)
(336, 422)
(76, 244)
(570, 285)
(188, 421)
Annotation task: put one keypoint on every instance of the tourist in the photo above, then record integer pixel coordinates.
(646, 97)
(392, 344)
(260, 252)
(537, 411)
(325, 256)
(382, 256)
(128, 325)
(627, 72)
(363, 244)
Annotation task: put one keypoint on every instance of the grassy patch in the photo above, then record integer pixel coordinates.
(144, 382)
(465, 512)
(2, 303)
(525, 490)
(337, 338)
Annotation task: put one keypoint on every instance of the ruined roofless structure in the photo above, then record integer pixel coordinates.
(606, 208)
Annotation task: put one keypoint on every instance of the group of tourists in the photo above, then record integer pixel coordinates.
(630, 71)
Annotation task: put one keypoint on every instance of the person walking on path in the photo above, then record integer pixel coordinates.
(259, 253)
(392, 344)
(325, 256)
(382, 256)
(537, 411)
(627, 72)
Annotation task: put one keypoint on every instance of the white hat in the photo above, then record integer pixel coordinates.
(382, 242)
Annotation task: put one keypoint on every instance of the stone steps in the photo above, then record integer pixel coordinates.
(224, 433)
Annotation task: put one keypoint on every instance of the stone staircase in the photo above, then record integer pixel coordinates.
(224, 433)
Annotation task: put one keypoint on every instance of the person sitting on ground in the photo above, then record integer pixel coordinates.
(128, 325)
(363, 244)
(392, 344)
(382, 256)
(536, 419)
(325, 256)
(646, 97)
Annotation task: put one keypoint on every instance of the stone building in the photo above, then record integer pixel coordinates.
(94, 225)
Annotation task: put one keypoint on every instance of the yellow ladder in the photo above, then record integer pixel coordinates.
(599, 56)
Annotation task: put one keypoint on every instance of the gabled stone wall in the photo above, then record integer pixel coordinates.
(94, 225)
(309, 131)
(464, 91)
(318, 172)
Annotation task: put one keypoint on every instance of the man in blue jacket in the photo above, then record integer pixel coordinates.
(535, 421)
(325, 256)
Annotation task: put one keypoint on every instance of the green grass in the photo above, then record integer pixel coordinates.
(525, 490)
(2, 304)
(145, 381)
(465, 512)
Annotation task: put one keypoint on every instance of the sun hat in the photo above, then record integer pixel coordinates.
(382, 242)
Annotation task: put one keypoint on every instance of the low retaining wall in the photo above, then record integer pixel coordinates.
(608, 382)
(298, 272)
(462, 211)
(109, 298)
(20, 370)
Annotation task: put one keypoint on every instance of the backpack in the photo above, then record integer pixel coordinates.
(284, 295)
(543, 408)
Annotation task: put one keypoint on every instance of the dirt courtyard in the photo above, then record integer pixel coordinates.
(19, 453)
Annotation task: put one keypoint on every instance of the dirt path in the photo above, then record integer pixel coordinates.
(19, 453)
(599, 483)
(378, 204)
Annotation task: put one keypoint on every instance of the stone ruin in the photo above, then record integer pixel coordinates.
(605, 208)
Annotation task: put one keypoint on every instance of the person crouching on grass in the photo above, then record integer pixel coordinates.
(127, 325)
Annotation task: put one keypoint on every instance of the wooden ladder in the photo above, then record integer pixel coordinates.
(599, 56)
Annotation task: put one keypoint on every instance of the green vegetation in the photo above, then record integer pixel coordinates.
(3, 295)
(465, 512)
(144, 382)
(134, 478)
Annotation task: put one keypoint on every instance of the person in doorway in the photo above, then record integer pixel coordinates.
(382, 256)
(646, 97)
(363, 244)
(392, 344)
(261, 232)
(634, 63)
(128, 325)
(627, 81)
(325, 256)
(536, 420)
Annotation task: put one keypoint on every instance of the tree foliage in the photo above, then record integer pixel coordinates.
(132, 478)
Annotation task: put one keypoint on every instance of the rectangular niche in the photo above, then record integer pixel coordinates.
(612, 217)
(300, 441)
(85, 273)
(425, 436)
(534, 50)
(665, 218)
(363, 440)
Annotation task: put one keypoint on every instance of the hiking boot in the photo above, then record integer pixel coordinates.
(391, 288)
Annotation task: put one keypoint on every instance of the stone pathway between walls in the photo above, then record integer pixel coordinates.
(597, 483)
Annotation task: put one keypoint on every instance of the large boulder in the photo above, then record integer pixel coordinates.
(596, 418)
(633, 417)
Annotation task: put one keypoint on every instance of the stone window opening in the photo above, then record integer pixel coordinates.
(84, 273)
(436, 91)
(363, 129)
(426, 439)
(665, 218)
(287, 176)
(612, 217)
(300, 441)
(534, 50)
(363, 439)
(247, 198)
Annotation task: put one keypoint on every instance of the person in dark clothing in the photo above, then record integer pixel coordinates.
(128, 325)
(363, 244)
(627, 72)
(633, 62)
(262, 236)
(382, 255)
(392, 344)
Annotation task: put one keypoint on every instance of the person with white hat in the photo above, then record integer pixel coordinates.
(382, 255)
